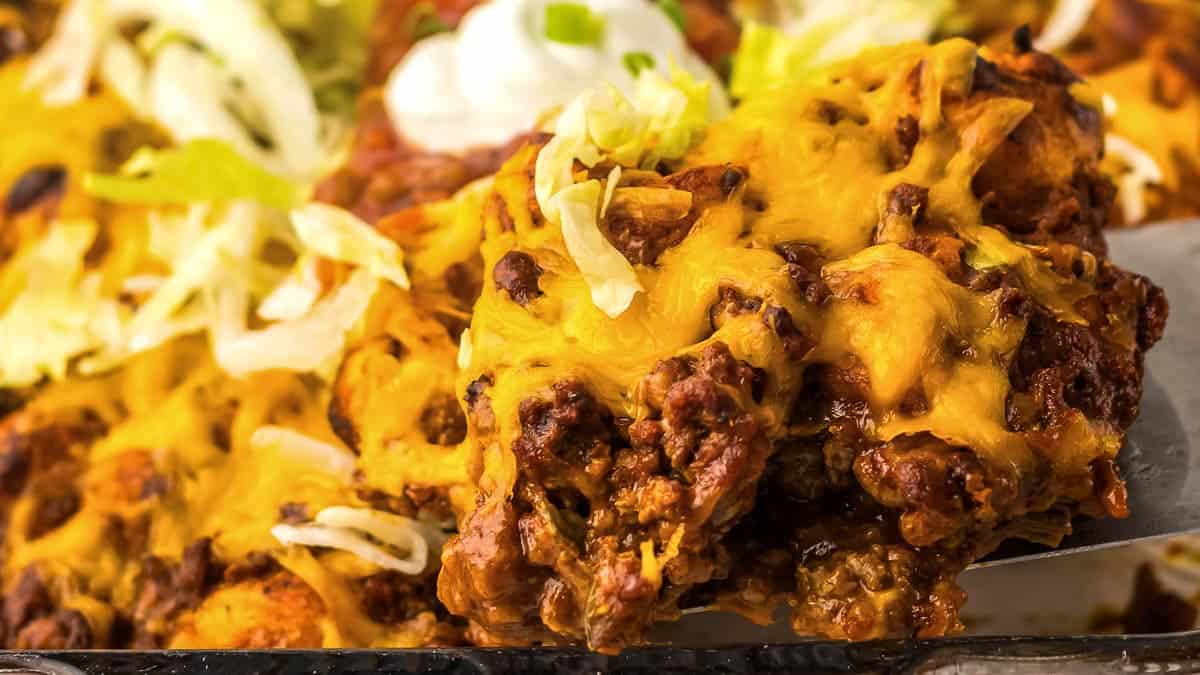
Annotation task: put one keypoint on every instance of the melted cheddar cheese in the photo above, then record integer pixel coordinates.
(824, 185)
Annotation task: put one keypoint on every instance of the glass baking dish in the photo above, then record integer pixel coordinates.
(1179, 653)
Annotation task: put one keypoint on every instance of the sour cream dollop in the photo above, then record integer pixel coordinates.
(491, 79)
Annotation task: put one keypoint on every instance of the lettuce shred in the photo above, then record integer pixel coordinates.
(815, 34)
(242, 71)
(58, 312)
(661, 122)
(240, 242)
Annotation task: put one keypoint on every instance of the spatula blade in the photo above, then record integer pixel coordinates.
(1161, 458)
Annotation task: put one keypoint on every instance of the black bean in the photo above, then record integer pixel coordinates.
(35, 185)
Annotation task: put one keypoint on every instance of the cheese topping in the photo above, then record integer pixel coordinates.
(813, 179)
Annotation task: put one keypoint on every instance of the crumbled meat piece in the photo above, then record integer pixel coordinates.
(256, 565)
(587, 498)
(64, 629)
(12, 42)
(804, 262)
(26, 601)
(293, 513)
(164, 591)
(517, 272)
(442, 420)
(391, 598)
(644, 222)
(52, 510)
(908, 133)
(730, 302)
(464, 282)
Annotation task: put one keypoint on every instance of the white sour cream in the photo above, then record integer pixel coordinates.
(491, 79)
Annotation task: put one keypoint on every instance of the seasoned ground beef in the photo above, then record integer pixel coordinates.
(564, 557)
(64, 629)
(644, 221)
(165, 590)
(517, 272)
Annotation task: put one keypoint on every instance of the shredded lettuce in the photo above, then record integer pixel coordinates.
(678, 112)
(1141, 170)
(219, 69)
(58, 314)
(339, 235)
(329, 38)
(384, 539)
(675, 12)
(296, 294)
(312, 343)
(637, 61)
(812, 34)
(200, 247)
(611, 279)
(662, 121)
(200, 171)
(238, 98)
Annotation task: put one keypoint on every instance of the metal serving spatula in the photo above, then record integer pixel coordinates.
(1161, 459)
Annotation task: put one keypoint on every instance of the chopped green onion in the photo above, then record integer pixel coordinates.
(429, 24)
(674, 12)
(573, 24)
(636, 62)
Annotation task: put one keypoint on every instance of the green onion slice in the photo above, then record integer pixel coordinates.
(636, 62)
(674, 12)
(573, 24)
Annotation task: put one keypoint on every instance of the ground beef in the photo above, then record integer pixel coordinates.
(464, 282)
(1020, 191)
(32, 445)
(64, 629)
(390, 597)
(804, 263)
(1094, 369)
(27, 600)
(654, 219)
(442, 420)
(730, 303)
(947, 251)
(517, 273)
(795, 343)
(563, 558)
(12, 41)
(941, 491)
(293, 513)
(165, 591)
(53, 509)
(256, 565)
